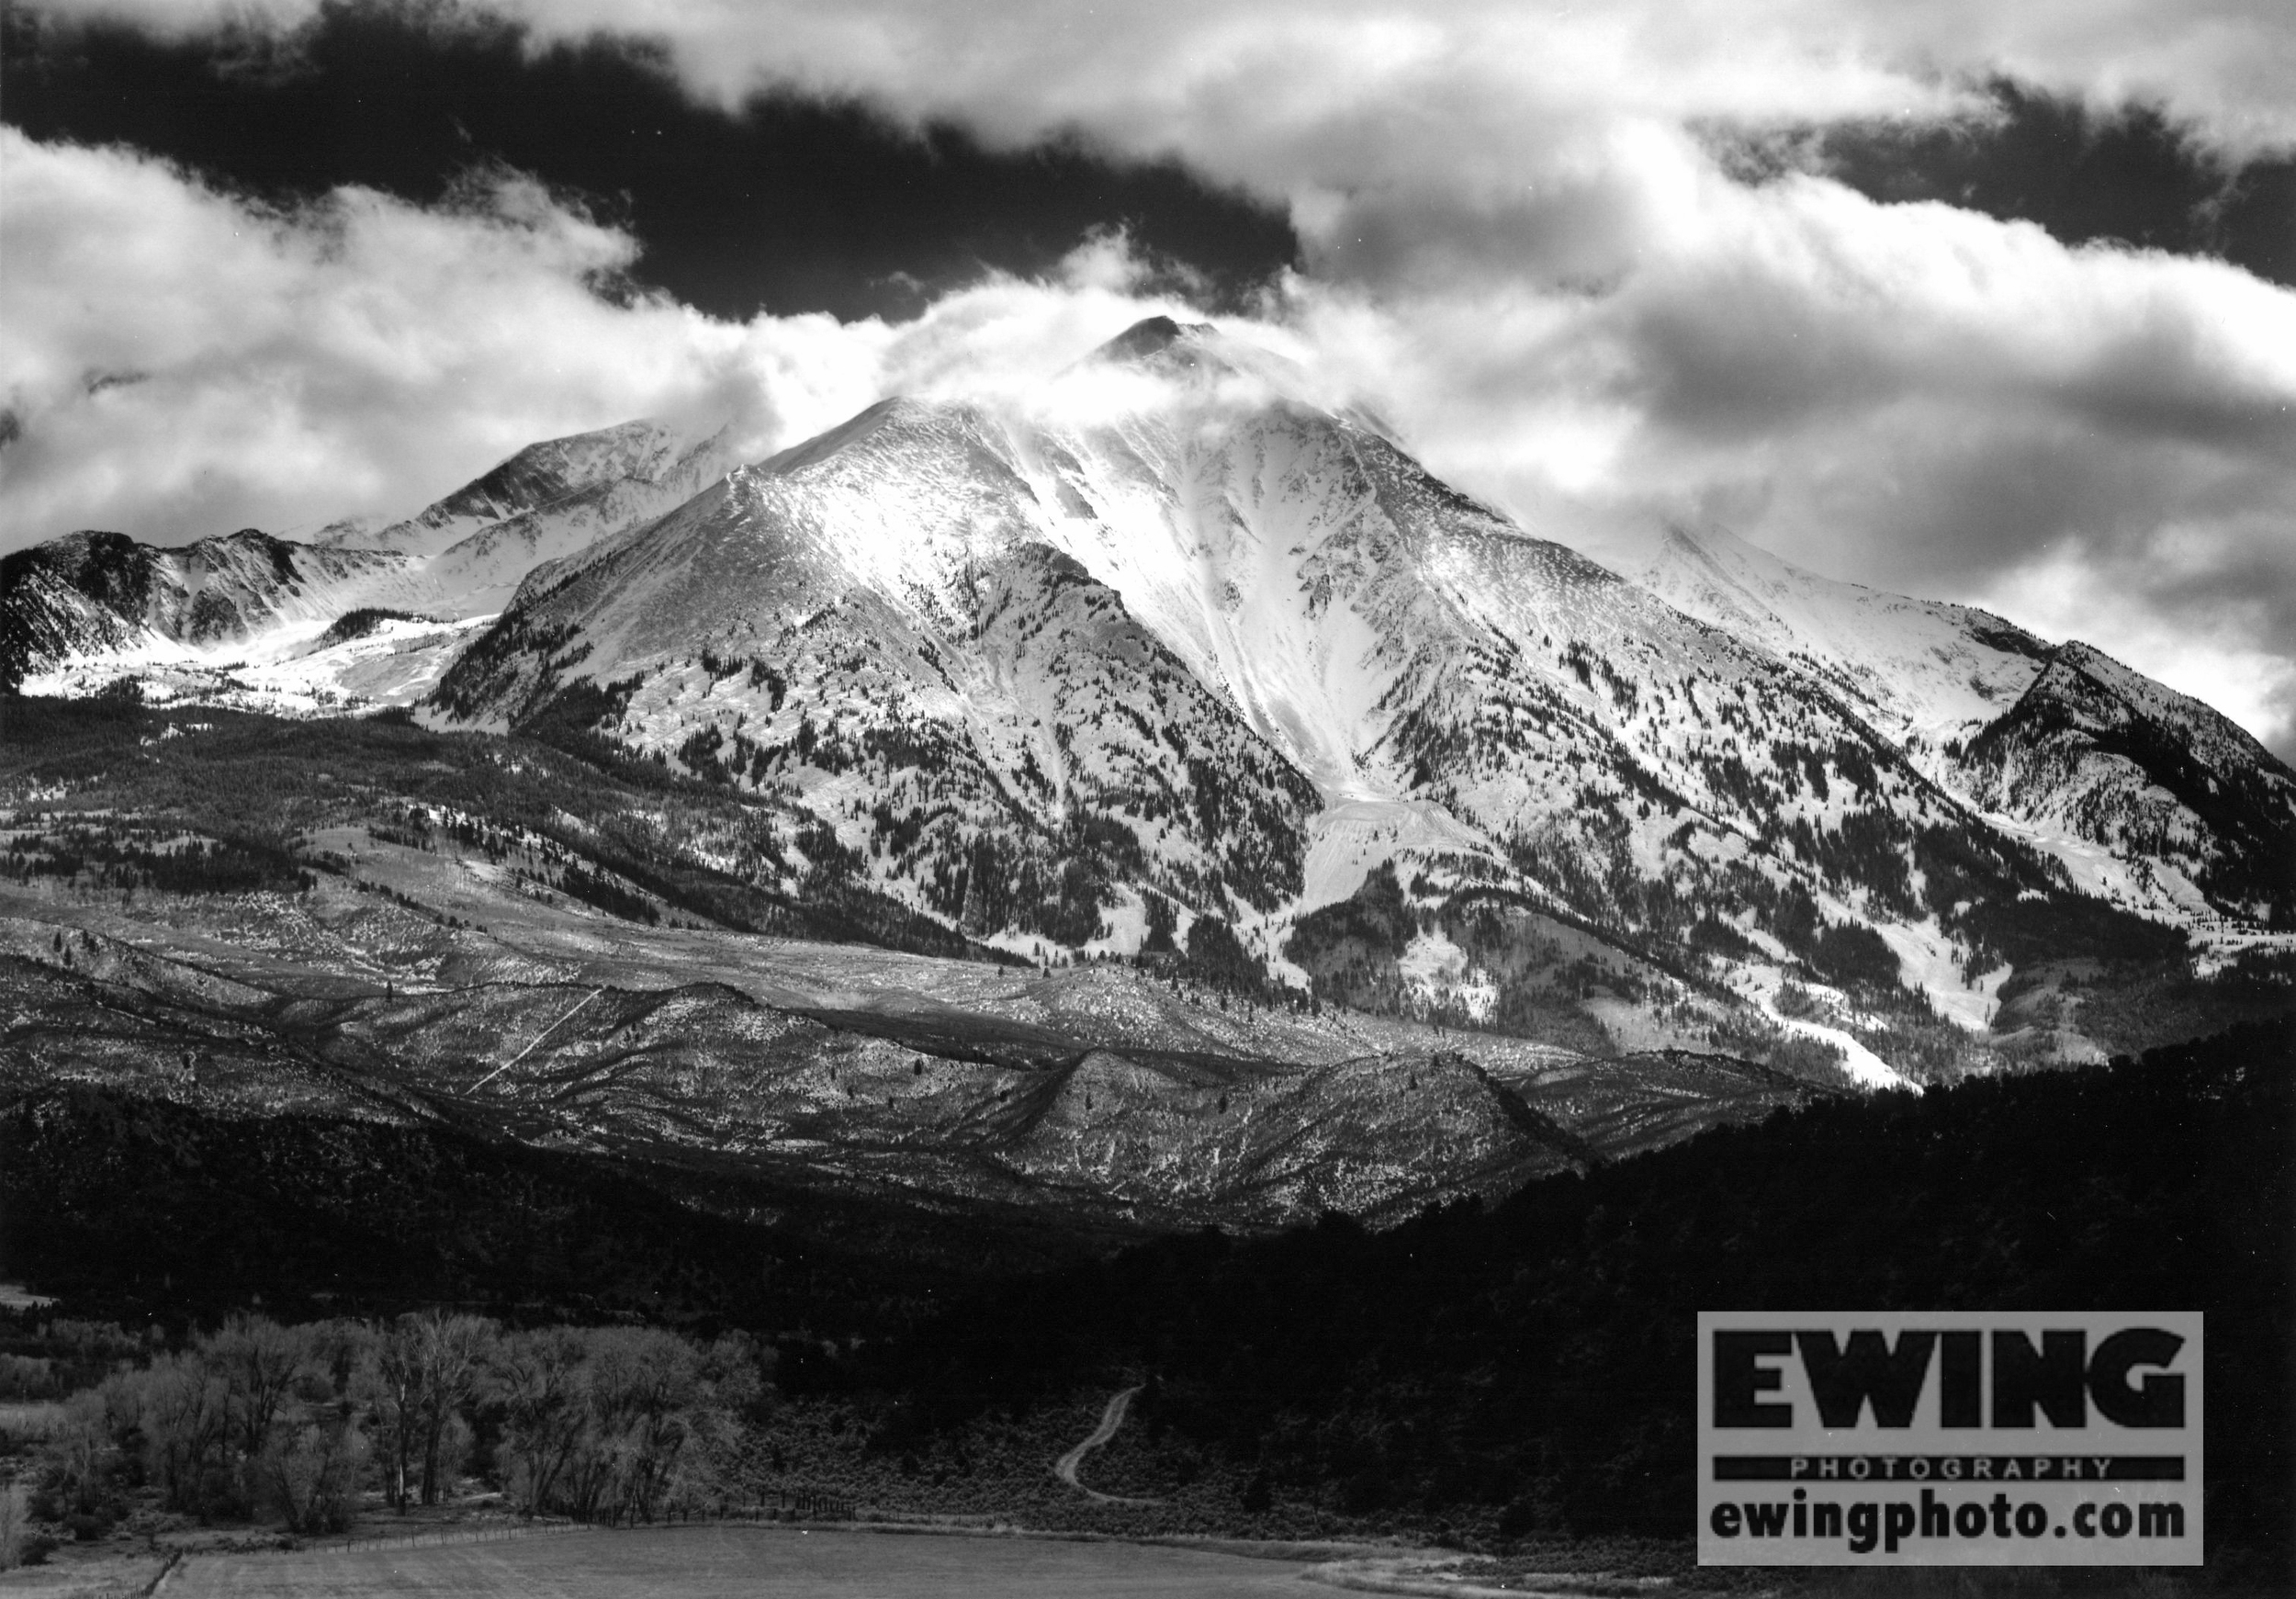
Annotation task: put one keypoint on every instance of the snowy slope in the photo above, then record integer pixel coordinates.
(1401, 643)
(2147, 798)
(1928, 674)
(656, 471)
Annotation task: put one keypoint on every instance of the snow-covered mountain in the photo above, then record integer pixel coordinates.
(1169, 653)
(360, 616)
(79, 610)
(1173, 641)
(872, 627)
(566, 475)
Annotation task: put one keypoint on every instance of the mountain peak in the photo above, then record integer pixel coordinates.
(2080, 673)
(2074, 655)
(2077, 671)
(549, 476)
(1154, 339)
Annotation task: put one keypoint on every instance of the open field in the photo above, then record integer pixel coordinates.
(106, 1576)
(703, 1563)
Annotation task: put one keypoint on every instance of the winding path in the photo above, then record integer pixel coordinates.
(1110, 1419)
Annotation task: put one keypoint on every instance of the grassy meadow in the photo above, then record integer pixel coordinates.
(708, 1562)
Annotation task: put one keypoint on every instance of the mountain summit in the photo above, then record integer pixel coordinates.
(1152, 337)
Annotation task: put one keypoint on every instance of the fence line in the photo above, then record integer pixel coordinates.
(425, 1540)
(795, 1505)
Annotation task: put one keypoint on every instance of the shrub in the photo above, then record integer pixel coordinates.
(16, 1515)
(88, 1527)
(311, 1475)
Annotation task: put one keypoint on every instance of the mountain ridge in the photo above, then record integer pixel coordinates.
(1954, 685)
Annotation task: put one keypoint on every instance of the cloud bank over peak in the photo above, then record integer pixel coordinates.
(1523, 242)
(182, 362)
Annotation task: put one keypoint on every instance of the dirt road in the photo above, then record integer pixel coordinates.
(1110, 1419)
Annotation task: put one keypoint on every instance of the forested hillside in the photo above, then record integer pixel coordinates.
(1529, 1368)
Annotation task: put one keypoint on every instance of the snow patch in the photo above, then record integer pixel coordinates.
(1348, 841)
(1859, 1062)
(1929, 961)
(1441, 970)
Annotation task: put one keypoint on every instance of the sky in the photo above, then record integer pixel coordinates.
(1987, 301)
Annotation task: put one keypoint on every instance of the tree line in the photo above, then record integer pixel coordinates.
(613, 1424)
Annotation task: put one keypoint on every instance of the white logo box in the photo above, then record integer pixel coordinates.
(1991, 1438)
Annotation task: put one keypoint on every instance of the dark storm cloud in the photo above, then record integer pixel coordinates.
(2128, 174)
(784, 203)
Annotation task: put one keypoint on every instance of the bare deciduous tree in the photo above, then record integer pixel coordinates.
(259, 1361)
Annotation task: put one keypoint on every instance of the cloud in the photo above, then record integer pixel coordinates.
(1517, 243)
(181, 362)
(2097, 442)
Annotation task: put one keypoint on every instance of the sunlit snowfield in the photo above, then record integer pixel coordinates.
(706, 1562)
